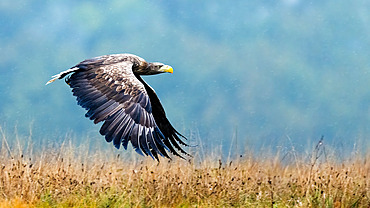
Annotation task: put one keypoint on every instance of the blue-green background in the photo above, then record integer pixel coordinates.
(252, 73)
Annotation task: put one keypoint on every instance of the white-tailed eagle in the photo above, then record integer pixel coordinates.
(111, 90)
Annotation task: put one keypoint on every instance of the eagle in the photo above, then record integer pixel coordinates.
(112, 91)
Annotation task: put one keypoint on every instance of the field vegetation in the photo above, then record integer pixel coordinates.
(73, 175)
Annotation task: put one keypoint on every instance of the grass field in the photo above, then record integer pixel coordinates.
(70, 176)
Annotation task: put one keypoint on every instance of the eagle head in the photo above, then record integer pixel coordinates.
(145, 68)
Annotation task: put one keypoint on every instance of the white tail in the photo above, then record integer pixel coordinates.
(61, 75)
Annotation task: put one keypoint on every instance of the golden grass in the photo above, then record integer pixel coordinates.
(74, 177)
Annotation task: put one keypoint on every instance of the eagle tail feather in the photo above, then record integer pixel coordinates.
(62, 74)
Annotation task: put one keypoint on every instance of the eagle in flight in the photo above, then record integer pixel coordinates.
(111, 90)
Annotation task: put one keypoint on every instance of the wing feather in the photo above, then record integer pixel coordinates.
(111, 93)
(167, 132)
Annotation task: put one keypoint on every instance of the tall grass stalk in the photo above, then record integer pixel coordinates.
(88, 176)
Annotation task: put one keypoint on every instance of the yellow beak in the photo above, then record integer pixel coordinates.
(166, 68)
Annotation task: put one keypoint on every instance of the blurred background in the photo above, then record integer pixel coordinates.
(247, 74)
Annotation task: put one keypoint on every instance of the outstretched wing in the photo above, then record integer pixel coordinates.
(111, 93)
(172, 136)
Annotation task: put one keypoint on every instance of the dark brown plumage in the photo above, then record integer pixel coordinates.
(111, 90)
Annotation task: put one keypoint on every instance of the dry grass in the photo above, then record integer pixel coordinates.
(74, 177)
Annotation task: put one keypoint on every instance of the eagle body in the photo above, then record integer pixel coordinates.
(112, 91)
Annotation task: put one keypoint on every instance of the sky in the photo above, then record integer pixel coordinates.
(247, 75)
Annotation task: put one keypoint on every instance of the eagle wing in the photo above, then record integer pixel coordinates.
(111, 93)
